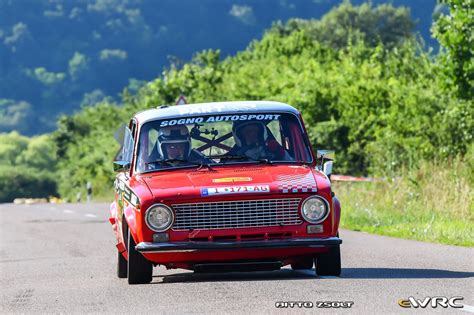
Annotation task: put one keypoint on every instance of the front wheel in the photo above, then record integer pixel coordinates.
(329, 264)
(140, 270)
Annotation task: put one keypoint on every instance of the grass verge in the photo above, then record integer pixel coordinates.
(434, 203)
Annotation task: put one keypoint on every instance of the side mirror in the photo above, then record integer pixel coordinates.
(327, 168)
(325, 160)
(121, 166)
(326, 155)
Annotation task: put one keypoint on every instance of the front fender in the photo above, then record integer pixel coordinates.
(129, 214)
(336, 206)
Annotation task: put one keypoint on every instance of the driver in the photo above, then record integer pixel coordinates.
(252, 140)
(174, 143)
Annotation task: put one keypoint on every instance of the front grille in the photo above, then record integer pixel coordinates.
(236, 214)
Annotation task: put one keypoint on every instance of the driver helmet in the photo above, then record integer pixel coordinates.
(237, 131)
(174, 135)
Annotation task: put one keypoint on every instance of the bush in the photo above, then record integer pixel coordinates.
(25, 183)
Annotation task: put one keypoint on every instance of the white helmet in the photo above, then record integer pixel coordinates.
(237, 131)
(173, 134)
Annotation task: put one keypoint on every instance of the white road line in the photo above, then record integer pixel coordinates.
(468, 308)
(68, 211)
(89, 215)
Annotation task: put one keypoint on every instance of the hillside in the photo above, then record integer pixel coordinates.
(58, 55)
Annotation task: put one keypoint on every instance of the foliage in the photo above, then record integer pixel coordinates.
(455, 34)
(54, 54)
(380, 106)
(86, 148)
(27, 167)
(377, 102)
(347, 23)
(25, 182)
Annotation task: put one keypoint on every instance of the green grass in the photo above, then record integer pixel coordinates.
(434, 203)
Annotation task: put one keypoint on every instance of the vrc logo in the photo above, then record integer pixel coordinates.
(432, 301)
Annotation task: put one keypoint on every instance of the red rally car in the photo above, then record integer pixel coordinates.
(218, 187)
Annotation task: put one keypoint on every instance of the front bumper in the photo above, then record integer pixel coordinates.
(148, 247)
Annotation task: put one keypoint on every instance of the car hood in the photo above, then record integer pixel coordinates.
(231, 181)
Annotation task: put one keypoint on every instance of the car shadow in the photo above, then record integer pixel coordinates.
(283, 274)
(403, 273)
(288, 274)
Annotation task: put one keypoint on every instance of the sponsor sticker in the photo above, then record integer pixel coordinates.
(212, 119)
(212, 191)
(232, 179)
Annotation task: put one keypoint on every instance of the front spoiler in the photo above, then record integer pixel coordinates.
(148, 247)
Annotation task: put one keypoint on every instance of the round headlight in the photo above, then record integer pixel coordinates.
(315, 209)
(159, 218)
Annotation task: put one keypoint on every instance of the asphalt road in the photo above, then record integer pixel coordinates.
(61, 259)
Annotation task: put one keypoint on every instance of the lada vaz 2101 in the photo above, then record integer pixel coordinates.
(221, 187)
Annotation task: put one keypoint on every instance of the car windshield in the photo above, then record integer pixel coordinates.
(221, 140)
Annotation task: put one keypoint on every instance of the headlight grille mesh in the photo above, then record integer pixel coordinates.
(237, 214)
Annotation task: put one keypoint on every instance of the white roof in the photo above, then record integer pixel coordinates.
(238, 107)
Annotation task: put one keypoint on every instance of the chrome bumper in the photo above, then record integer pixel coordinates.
(148, 247)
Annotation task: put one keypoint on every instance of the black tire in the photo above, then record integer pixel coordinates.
(329, 264)
(305, 263)
(139, 269)
(121, 266)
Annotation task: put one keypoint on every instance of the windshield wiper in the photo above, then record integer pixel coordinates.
(228, 157)
(240, 157)
(263, 160)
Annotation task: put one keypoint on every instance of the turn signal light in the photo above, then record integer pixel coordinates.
(312, 229)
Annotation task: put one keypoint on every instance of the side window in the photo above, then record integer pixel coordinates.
(124, 137)
(127, 148)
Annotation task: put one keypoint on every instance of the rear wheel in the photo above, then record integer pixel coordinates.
(329, 264)
(305, 263)
(139, 269)
(121, 266)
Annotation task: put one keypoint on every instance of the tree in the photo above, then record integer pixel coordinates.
(455, 34)
(347, 23)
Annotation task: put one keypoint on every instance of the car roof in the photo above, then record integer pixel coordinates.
(221, 108)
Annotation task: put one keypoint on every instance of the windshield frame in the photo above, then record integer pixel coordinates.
(298, 118)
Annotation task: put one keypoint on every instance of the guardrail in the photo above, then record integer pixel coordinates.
(347, 178)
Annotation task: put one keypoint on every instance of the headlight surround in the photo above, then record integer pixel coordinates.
(315, 209)
(159, 217)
